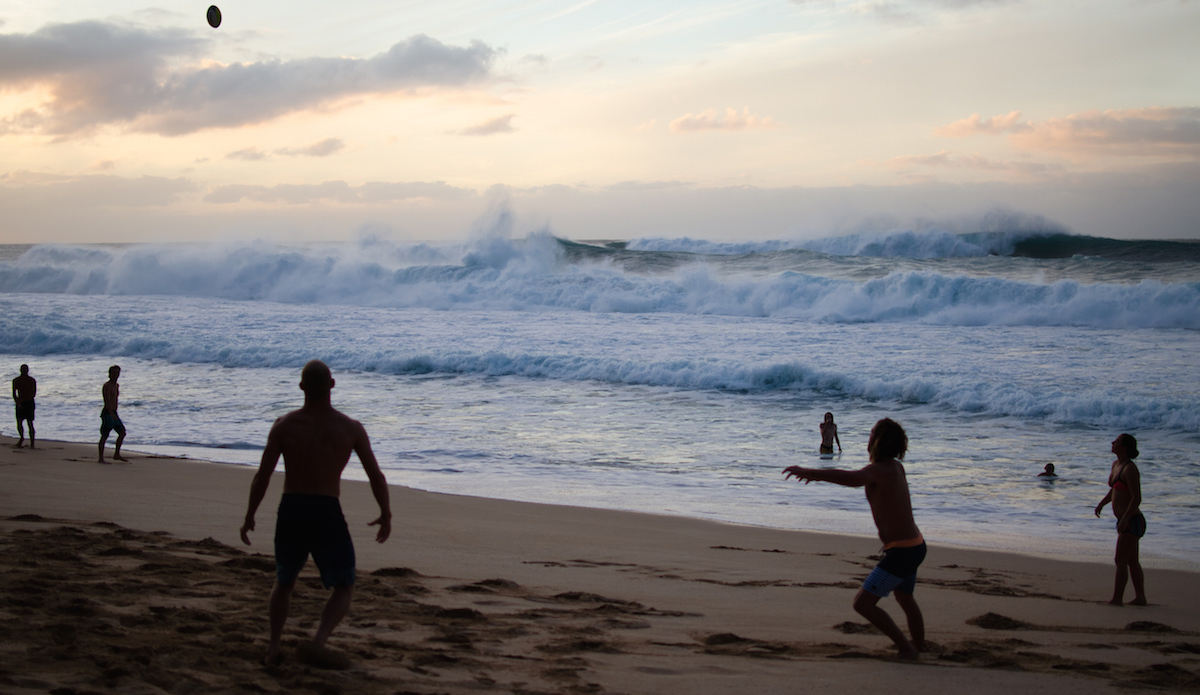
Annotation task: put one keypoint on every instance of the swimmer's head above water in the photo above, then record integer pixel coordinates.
(1049, 472)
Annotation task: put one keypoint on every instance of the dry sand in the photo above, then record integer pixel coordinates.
(130, 578)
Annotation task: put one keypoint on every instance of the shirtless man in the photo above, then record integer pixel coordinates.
(109, 420)
(829, 435)
(24, 390)
(315, 442)
(903, 545)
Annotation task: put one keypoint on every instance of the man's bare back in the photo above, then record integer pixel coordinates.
(316, 446)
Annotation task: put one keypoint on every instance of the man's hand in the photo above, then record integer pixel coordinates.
(1098, 508)
(385, 528)
(247, 527)
(798, 472)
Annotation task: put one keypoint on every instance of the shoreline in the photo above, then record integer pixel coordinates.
(504, 596)
(937, 534)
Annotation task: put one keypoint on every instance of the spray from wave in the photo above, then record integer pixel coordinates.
(540, 272)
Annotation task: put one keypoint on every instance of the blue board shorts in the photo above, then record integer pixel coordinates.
(109, 422)
(313, 524)
(896, 571)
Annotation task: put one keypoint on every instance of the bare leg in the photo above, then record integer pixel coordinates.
(336, 608)
(32, 435)
(865, 604)
(103, 439)
(117, 448)
(916, 621)
(281, 601)
(1127, 563)
(1139, 587)
(21, 433)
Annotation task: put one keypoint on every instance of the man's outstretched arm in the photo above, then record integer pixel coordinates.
(379, 487)
(839, 477)
(262, 479)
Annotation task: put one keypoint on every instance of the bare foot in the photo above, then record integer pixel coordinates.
(1116, 602)
(1138, 602)
(118, 457)
(109, 463)
(21, 444)
(906, 655)
(322, 657)
(272, 660)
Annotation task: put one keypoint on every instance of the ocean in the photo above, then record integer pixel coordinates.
(672, 376)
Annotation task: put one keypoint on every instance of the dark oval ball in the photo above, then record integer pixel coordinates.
(214, 16)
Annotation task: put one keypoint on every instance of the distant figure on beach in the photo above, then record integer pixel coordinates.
(903, 545)
(1049, 472)
(315, 442)
(24, 390)
(109, 419)
(829, 435)
(1125, 493)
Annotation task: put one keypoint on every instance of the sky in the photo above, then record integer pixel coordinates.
(596, 119)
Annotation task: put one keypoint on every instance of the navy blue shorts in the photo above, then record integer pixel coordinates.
(111, 421)
(1137, 525)
(313, 524)
(896, 571)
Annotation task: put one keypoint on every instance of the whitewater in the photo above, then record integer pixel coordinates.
(673, 376)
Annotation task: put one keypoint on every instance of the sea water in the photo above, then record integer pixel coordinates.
(671, 376)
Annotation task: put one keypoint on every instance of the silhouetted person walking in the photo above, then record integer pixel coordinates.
(109, 420)
(24, 390)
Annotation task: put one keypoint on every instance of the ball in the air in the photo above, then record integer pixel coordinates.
(214, 16)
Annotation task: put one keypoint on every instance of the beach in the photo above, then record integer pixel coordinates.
(131, 578)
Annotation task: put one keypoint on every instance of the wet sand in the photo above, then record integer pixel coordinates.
(130, 578)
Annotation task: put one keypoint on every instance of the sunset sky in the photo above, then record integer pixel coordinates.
(596, 119)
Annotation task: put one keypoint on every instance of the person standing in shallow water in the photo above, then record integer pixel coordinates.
(829, 435)
(24, 389)
(315, 442)
(903, 545)
(1125, 493)
(109, 419)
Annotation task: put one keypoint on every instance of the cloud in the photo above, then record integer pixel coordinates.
(503, 124)
(1148, 132)
(323, 148)
(99, 74)
(707, 120)
(1154, 131)
(250, 154)
(974, 125)
(97, 190)
(338, 191)
(904, 12)
(949, 160)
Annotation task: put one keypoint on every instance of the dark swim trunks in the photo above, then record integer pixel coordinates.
(313, 524)
(25, 411)
(109, 422)
(826, 448)
(1137, 526)
(897, 570)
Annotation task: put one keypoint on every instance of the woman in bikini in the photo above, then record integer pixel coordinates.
(1125, 493)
